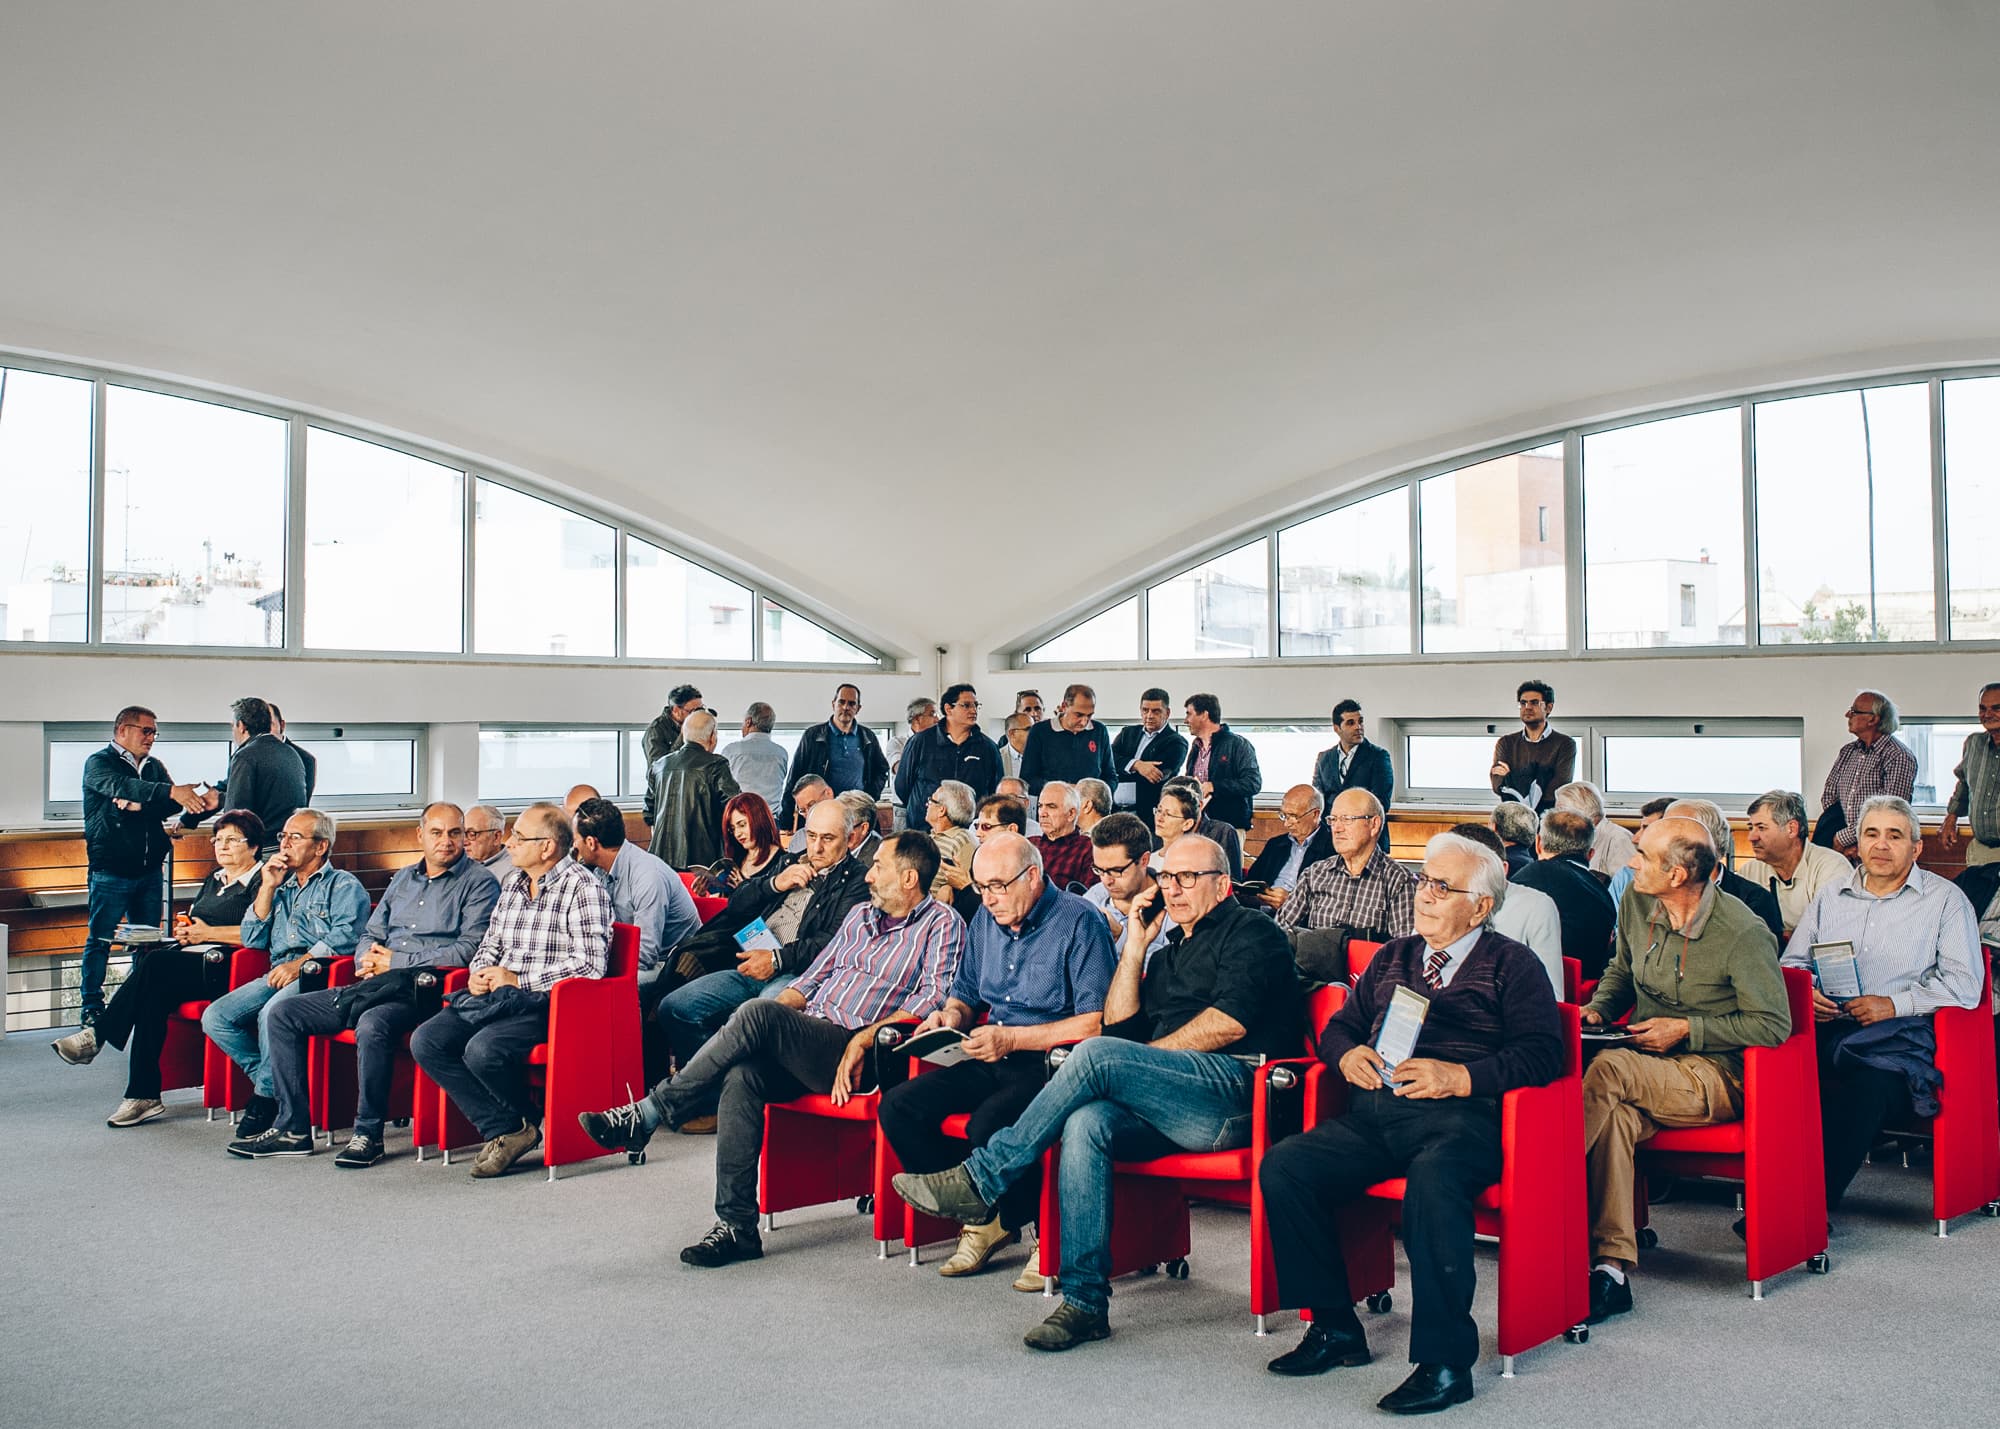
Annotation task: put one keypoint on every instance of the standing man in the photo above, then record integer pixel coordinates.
(757, 760)
(919, 715)
(842, 751)
(1355, 762)
(1070, 747)
(304, 908)
(126, 795)
(957, 749)
(266, 775)
(663, 735)
(685, 792)
(1532, 763)
(1064, 848)
(306, 756)
(1792, 869)
(1146, 755)
(1224, 762)
(1869, 764)
(486, 839)
(1977, 793)
(1014, 745)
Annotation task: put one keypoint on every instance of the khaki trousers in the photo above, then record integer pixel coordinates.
(1975, 851)
(1627, 1097)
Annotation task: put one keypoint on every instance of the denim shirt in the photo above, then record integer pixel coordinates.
(323, 919)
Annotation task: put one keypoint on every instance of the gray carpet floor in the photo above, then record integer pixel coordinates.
(146, 1277)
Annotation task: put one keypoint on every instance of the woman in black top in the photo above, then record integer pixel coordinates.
(171, 974)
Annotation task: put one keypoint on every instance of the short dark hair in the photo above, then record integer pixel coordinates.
(1208, 705)
(1480, 835)
(132, 714)
(1126, 831)
(1537, 687)
(915, 850)
(1156, 693)
(245, 823)
(1006, 809)
(952, 692)
(277, 715)
(253, 714)
(681, 694)
(1345, 708)
(602, 820)
(847, 685)
(1655, 808)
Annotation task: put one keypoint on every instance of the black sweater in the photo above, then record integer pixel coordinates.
(1054, 753)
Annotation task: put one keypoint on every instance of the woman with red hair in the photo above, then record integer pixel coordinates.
(749, 842)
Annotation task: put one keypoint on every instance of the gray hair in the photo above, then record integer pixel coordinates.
(1899, 807)
(1095, 795)
(499, 819)
(1514, 822)
(860, 806)
(1583, 797)
(323, 827)
(1066, 792)
(699, 727)
(1566, 831)
(1784, 806)
(917, 707)
(957, 800)
(809, 781)
(761, 717)
(1709, 815)
(1886, 718)
(1489, 877)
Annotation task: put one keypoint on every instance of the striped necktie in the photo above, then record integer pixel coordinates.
(1434, 967)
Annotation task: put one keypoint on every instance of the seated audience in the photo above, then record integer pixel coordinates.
(486, 840)
(809, 790)
(863, 837)
(1362, 895)
(758, 762)
(1791, 868)
(685, 792)
(1916, 944)
(1305, 842)
(1651, 812)
(892, 958)
(432, 915)
(1174, 818)
(1562, 871)
(997, 813)
(1146, 755)
(552, 921)
(1224, 763)
(1527, 915)
(1064, 848)
(949, 815)
(171, 973)
(1119, 849)
(1071, 746)
(1215, 830)
(842, 751)
(1093, 802)
(1169, 1074)
(1518, 826)
(1699, 972)
(578, 796)
(1037, 963)
(303, 907)
(1018, 789)
(1354, 762)
(1873, 762)
(644, 892)
(749, 843)
(1433, 1119)
(1610, 845)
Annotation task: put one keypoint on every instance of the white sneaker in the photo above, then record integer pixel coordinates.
(77, 1048)
(132, 1111)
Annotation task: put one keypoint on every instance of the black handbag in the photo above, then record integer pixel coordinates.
(396, 986)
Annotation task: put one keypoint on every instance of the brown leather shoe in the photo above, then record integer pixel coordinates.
(697, 1126)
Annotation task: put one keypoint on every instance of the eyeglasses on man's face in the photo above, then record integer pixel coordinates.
(1186, 878)
(1000, 886)
(1106, 874)
(1350, 818)
(1438, 887)
(517, 837)
(288, 837)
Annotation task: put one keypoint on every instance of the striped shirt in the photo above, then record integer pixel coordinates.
(1379, 903)
(1978, 790)
(870, 970)
(1918, 947)
(1057, 962)
(564, 931)
(1860, 772)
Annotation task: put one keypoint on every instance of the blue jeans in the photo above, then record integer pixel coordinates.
(237, 1022)
(695, 1011)
(113, 900)
(1111, 1101)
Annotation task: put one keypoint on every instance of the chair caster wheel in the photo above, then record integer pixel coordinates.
(1177, 1270)
(1820, 1264)
(1991, 1208)
(1147, 1270)
(1577, 1334)
(864, 1205)
(1648, 1238)
(1381, 1302)
(635, 1158)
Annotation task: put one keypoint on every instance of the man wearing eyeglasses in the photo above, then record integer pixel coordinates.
(304, 908)
(1873, 762)
(1173, 1072)
(1037, 962)
(956, 749)
(1534, 761)
(1362, 895)
(842, 751)
(1120, 849)
(1490, 1025)
(663, 735)
(486, 840)
(127, 794)
(1305, 842)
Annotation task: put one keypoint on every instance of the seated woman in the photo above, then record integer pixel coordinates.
(1176, 815)
(749, 841)
(949, 815)
(171, 974)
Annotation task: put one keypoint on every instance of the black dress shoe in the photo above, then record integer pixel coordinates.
(1429, 1388)
(1321, 1350)
(1608, 1297)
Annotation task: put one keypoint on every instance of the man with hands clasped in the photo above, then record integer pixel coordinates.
(1433, 1119)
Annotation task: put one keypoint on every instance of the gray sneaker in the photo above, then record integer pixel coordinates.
(503, 1151)
(79, 1047)
(134, 1110)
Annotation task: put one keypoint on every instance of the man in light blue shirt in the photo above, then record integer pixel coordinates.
(644, 891)
(304, 908)
(758, 761)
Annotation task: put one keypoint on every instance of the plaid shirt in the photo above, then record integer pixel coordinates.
(1379, 904)
(1978, 791)
(563, 932)
(1861, 771)
(868, 972)
(1066, 860)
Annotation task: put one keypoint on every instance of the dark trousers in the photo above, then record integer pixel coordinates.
(484, 1069)
(378, 1037)
(158, 983)
(766, 1052)
(994, 1093)
(1855, 1103)
(1449, 1151)
(113, 899)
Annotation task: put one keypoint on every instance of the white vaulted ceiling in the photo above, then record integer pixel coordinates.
(1063, 285)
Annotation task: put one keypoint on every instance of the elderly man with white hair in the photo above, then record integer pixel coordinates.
(1065, 849)
(1611, 846)
(685, 792)
(1873, 762)
(1915, 942)
(1432, 1118)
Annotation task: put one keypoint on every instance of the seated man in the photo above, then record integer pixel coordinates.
(892, 958)
(644, 892)
(1526, 915)
(808, 791)
(1517, 825)
(1093, 798)
(803, 902)
(1172, 1072)
(1916, 945)
(1223, 834)
(1037, 962)
(552, 921)
(1018, 789)
(1120, 847)
(863, 838)
(432, 915)
(1305, 842)
(1611, 847)
(997, 813)
(1793, 869)
(1363, 895)
(1433, 1119)
(1699, 971)
(304, 908)
(1065, 848)
(1562, 870)
(1709, 815)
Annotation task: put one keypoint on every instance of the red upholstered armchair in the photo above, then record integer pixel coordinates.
(188, 1058)
(331, 1090)
(706, 904)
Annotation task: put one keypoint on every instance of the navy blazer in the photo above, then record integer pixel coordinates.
(1271, 860)
(1169, 748)
(1370, 769)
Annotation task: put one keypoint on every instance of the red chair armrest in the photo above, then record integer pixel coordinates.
(341, 973)
(248, 964)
